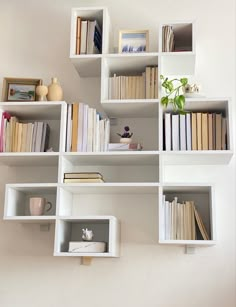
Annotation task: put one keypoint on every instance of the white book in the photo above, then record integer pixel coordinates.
(34, 137)
(167, 131)
(90, 130)
(94, 128)
(102, 133)
(80, 127)
(175, 132)
(107, 134)
(85, 128)
(182, 132)
(38, 138)
(83, 37)
(188, 131)
(69, 127)
(97, 143)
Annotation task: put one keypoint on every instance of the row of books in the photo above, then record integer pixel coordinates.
(82, 177)
(86, 130)
(143, 86)
(195, 131)
(88, 37)
(168, 40)
(22, 137)
(182, 221)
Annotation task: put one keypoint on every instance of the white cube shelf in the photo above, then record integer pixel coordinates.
(105, 229)
(203, 198)
(17, 197)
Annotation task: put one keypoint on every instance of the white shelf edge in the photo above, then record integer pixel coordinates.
(30, 218)
(87, 217)
(134, 101)
(32, 103)
(31, 185)
(188, 242)
(113, 153)
(67, 254)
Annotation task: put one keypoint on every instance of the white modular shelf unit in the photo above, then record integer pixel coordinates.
(105, 229)
(137, 174)
(17, 197)
(203, 197)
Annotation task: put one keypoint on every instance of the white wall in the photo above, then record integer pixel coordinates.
(35, 43)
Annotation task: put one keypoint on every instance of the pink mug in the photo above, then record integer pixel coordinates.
(37, 205)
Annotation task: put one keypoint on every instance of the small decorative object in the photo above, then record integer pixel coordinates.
(133, 41)
(174, 92)
(19, 89)
(192, 90)
(54, 91)
(87, 235)
(126, 136)
(42, 91)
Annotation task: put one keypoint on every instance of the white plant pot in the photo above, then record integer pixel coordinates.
(125, 140)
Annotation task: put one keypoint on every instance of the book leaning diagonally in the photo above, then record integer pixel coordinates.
(201, 225)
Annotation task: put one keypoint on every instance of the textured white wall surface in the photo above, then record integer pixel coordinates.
(35, 39)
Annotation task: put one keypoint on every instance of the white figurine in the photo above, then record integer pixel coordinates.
(87, 234)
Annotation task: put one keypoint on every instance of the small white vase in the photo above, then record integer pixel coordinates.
(125, 140)
(54, 91)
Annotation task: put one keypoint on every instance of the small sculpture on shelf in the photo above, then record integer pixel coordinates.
(42, 91)
(126, 136)
(87, 235)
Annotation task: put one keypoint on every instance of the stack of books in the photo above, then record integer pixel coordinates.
(86, 130)
(122, 146)
(22, 137)
(195, 131)
(88, 37)
(135, 87)
(82, 177)
(182, 221)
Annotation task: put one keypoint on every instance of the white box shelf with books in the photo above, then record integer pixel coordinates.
(177, 48)
(206, 129)
(69, 229)
(18, 132)
(88, 64)
(115, 167)
(186, 215)
(17, 199)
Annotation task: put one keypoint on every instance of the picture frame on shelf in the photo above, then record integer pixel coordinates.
(20, 89)
(133, 41)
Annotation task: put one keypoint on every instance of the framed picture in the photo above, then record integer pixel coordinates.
(20, 89)
(133, 41)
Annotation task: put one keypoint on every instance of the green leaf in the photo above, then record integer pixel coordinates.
(164, 101)
(180, 101)
(162, 77)
(184, 81)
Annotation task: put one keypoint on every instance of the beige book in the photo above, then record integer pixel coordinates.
(19, 139)
(205, 145)
(75, 107)
(156, 83)
(78, 32)
(191, 220)
(147, 82)
(200, 225)
(152, 84)
(194, 131)
(84, 180)
(214, 130)
(224, 134)
(218, 131)
(199, 131)
(210, 132)
(24, 136)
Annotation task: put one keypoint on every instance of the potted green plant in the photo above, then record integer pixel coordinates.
(174, 93)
